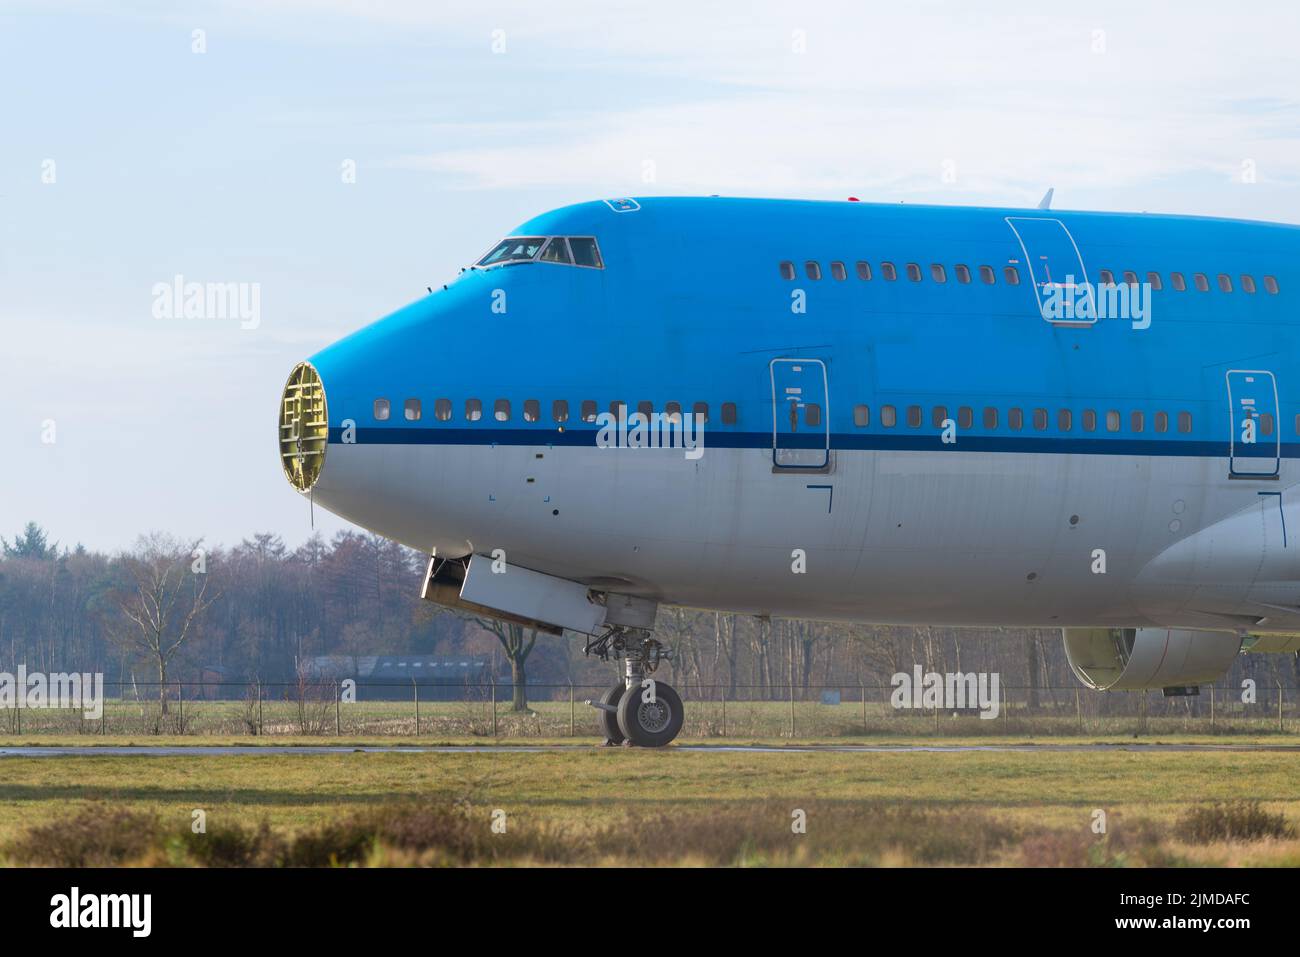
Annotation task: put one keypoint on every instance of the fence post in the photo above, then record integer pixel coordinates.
(415, 688)
(1279, 707)
(1006, 710)
(864, 706)
(493, 683)
(261, 728)
(1212, 716)
(724, 711)
(1078, 708)
(792, 708)
(180, 705)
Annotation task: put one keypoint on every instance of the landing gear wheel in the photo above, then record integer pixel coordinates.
(608, 719)
(650, 724)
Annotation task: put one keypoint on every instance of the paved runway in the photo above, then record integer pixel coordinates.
(150, 751)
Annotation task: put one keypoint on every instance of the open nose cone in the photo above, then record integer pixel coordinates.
(304, 427)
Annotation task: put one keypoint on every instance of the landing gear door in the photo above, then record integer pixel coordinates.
(801, 437)
(1255, 440)
(1056, 270)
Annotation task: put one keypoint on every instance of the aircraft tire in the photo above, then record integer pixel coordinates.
(650, 724)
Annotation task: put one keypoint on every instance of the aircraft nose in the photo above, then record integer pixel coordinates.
(304, 427)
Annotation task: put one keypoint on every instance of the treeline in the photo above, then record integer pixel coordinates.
(175, 610)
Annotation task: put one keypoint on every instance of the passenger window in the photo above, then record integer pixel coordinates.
(914, 272)
(861, 416)
(1130, 277)
(1225, 282)
(937, 273)
(1089, 420)
(618, 409)
(557, 251)
(1184, 422)
(1136, 422)
(888, 271)
(1112, 421)
(473, 410)
(1202, 283)
(913, 416)
(1015, 419)
(963, 273)
(1248, 284)
(965, 417)
(588, 410)
(1266, 423)
(381, 410)
(1012, 275)
(864, 270)
(1107, 278)
(990, 417)
(937, 416)
(838, 271)
(702, 411)
(888, 416)
(673, 412)
(501, 410)
(813, 269)
(1040, 419)
(1154, 279)
(1178, 281)
(645, 408)
(728, 413)
(587, 253)
(787, 270)
(812, 414)
(442, 410)
(1270, 285)
(1162, 422)
(560, 410)
(532, 410)
(411, 409)
(1064, 420)
(988, 275)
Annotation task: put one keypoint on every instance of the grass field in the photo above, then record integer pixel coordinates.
(611, 806)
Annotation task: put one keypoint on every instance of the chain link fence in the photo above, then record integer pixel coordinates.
(553, 711)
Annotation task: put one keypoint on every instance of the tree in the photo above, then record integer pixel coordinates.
(518, 643)
(163, 599)
(32, 543)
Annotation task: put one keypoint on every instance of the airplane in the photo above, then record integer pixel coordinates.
(895, 414)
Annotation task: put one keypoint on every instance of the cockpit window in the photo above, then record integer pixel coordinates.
(515, 249)
(586, 252)
(565, 250)
(557, 251)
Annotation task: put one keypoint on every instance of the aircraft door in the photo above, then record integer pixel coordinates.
(1255, 437)
(800, 415)
(1056, 269)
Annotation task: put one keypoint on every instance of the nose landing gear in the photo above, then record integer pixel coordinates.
(640, 710)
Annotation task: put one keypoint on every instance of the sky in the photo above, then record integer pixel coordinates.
(337, 157)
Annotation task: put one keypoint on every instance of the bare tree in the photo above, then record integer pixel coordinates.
(517, 642)
(162, 600)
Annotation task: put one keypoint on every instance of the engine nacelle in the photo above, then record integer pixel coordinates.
(1130, 659)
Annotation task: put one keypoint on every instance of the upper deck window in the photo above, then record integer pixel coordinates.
(515, 249)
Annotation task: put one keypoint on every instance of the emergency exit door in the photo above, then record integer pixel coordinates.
(1255, 441)
(801, 437)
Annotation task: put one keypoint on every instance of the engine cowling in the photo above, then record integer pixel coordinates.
(1131, 659)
